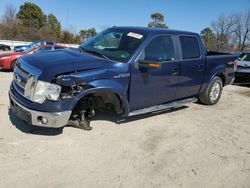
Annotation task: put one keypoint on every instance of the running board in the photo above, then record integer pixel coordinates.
(174, 104)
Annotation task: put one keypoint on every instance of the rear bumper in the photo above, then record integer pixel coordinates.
(54, 119)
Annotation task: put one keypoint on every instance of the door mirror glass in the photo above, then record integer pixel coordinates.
(144, 64)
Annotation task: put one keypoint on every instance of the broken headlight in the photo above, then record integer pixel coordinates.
(44, 90)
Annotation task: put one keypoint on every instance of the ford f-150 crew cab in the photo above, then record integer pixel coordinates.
(129, 70)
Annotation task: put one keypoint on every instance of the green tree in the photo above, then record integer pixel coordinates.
(77, 39)
(54, 25)
(158, 20)
(31, 15)
(87, 34)
(209, 39)
(67, 37)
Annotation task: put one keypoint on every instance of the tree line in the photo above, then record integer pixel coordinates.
(29, 23)
(228, 33)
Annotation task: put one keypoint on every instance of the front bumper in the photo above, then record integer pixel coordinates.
(54, 119)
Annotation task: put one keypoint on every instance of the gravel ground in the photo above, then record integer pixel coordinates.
(195, 146)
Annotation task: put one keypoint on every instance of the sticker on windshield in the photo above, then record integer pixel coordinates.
(135, 35)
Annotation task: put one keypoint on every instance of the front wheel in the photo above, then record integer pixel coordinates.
(213, 92)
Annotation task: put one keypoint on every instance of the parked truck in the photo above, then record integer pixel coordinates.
(130, 70)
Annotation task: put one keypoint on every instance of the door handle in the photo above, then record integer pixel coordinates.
(175, 71)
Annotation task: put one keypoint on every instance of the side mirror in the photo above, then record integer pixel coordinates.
(149, 64)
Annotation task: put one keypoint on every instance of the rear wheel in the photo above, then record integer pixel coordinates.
(213, 92)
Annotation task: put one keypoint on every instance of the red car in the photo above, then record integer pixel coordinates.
(7, 61)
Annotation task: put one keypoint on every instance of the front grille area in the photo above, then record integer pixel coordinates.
(20, 79)
(24, 78)
(243, 67)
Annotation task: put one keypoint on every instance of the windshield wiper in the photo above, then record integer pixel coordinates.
(94, 52)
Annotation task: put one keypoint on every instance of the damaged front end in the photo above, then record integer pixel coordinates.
(89, 99)
(71, 86)
(84, 111)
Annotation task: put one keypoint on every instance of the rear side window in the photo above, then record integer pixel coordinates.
(190, 48)
(245, 57)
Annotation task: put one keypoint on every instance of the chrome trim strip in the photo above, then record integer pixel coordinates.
(174, 104)
(29, 87)
(25, 76)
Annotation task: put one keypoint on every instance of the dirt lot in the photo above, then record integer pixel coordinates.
(196, 146)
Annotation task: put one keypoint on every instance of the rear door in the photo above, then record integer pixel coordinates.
(150, 86)
(191, 65)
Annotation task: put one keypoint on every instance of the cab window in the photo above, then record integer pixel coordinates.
(159, 49)
(190, 47)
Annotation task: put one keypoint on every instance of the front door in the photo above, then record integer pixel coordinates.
(154, 85)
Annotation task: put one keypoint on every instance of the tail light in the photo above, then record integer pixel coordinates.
(235, 64)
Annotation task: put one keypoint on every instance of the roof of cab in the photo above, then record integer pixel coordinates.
(150, 30)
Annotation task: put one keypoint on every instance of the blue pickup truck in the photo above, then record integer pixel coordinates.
(130, 70)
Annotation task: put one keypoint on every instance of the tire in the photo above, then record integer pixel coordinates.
(6, 49)
(13, 64)
(213, 92)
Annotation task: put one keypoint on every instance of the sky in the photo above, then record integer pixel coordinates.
(190, 15)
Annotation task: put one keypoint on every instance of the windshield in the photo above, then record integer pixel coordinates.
(245, 57)
(35, 44)
(28, 48)
(114, 44)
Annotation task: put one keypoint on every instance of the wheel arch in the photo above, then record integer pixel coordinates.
(220, 72)
(222, 76)
(118, 98)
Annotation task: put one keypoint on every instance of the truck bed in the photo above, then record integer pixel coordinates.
(225, 62)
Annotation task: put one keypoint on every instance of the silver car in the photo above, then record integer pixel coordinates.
(242, 73)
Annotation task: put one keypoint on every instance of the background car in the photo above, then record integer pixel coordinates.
(242, 74)
(23, 48)
(4, 47)
(8, 61)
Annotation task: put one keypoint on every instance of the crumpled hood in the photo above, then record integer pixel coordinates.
(59, 62)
